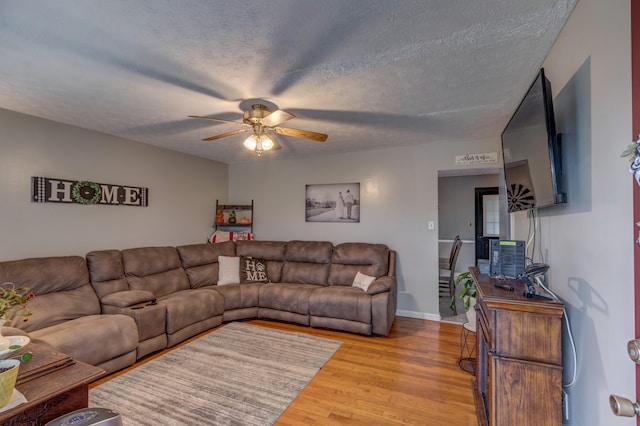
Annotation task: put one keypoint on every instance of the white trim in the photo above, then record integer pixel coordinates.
(451, 241)
(420, 315)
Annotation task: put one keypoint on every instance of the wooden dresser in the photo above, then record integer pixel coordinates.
(519, 362)
(53, 383)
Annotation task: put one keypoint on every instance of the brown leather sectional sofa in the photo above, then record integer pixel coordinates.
(113, 307)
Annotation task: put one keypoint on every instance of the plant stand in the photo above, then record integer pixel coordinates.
(467, 360)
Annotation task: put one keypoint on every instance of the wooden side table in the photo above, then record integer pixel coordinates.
(53, 383)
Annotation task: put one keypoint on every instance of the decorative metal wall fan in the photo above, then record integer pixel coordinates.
(520, 197)
(264, 123)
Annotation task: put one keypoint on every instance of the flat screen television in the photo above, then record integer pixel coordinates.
(531, 151)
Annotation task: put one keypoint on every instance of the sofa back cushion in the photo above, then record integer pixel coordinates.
(106, 272)
(60, 284)
(307, 262)
(200, 261)
(270, 251)
(155, 269)
(350, 258)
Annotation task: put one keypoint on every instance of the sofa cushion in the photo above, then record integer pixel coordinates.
(93, 339)
(61, 286)
(239, 296)
(271, 251)
(268, 250)
(363, 281)
(308, 251)
(305, 273)
(229, 270)
(307, 262)
(155, 269)
(188, 307)
(286, 297)
(253, 270)
(204, 254)
(54, 308)
(201, 261)
(341, 302)
(350, 258)
(106, 272)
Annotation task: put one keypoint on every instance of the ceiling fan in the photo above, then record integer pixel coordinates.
(264, 123)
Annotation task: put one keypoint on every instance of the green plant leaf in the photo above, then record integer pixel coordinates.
(469, 290)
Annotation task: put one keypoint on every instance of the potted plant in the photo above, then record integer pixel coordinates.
(468, 296)
(13, 303)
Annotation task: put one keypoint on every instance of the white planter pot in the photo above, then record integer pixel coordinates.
(471, 315)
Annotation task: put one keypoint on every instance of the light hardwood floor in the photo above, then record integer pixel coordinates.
(410, 377)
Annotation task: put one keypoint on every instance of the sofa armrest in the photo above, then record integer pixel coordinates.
(13, 331)
(381, 285)
(124, 299)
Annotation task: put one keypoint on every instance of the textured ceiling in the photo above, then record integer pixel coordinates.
(370, 74)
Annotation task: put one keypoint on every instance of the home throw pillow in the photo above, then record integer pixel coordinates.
(363, 281)
(253, 270)
(228, 270)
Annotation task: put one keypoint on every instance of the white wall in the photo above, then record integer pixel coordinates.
(589, 242)
(399, 191)
(182, 191)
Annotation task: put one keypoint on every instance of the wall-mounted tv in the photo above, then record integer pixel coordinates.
(531, 152)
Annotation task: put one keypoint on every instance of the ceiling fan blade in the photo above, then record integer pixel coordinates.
(221, 120)
(224, 135)
(297, 133)
(276, 117)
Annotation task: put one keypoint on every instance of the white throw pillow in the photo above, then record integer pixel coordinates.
(363, 281)
(228, 270)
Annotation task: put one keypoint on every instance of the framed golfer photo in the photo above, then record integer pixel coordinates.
(333, 202)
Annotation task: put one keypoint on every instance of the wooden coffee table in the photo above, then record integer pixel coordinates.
(53, 383)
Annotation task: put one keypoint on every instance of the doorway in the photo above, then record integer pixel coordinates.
(456, 216)
(487, 218)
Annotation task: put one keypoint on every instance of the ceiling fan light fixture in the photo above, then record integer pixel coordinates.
(251, 142)
(259, 143)
(267, 143)
(263, 124)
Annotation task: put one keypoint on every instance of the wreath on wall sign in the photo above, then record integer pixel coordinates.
(85, 192)
(520, 197)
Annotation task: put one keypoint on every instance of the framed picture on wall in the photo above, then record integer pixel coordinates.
(333, 202)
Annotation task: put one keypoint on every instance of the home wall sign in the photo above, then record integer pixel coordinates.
(51, 190)
(485, 158)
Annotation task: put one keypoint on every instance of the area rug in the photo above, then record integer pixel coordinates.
(240, 374)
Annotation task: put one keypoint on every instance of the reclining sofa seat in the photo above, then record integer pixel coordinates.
(341, 306)
(305, 269)
(201, 263)
(66, 312)
(240, 299)
(129, 281)
(108, 280)
(159, 271)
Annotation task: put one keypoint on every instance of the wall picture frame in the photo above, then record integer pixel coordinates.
(333, 202)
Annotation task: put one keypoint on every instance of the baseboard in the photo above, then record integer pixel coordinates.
(420, 315)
